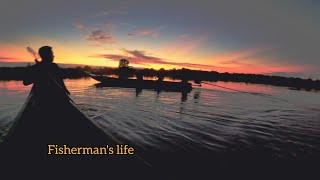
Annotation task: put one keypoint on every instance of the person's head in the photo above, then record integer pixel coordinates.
(46, 54)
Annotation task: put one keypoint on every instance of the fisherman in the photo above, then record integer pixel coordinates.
(184, 80)
(160, 78)
(45, 75)
(197, 82)
(139, 76)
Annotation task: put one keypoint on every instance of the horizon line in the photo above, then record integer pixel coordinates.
(64, 65)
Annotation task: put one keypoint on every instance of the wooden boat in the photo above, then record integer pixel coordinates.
(142, 84)
(56, 120)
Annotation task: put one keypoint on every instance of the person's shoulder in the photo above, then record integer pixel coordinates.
(55, 65)
(35, 66)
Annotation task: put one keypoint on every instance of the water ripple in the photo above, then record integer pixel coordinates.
(208, 120)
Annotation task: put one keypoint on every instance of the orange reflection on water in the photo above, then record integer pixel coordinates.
(14, 86)
(76, 83)
(13, 89)
(154, 78)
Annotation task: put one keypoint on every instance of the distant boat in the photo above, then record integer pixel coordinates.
(142, 84)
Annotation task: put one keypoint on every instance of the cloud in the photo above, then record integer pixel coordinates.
(7, 58)
(186, 45)
(151, 32)
(139, 54)
(100, 37)
(79, 26)
(11, 52)
(261, 61)
(147, 32)
(234, 62)
(142, 58)
(1, 57)
(130, 35)
(236, 56)
(139, 57)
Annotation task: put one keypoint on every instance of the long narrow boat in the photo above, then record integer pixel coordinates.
(57, 121)
(143, 84)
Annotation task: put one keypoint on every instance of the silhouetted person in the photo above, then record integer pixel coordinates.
(139, 76)
(46, 76)
(160, 78)
(184, 81)
(198, 82)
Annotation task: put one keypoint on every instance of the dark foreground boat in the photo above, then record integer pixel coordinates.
(143, 84)
(55, 120)
(58, 122)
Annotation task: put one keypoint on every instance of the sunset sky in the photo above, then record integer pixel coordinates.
(248, 36)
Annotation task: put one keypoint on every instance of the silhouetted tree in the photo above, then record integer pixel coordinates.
(123, 63)
(87, 68)
(124, 71)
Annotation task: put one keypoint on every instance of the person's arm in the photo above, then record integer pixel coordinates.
(29, 76)
(27, 82)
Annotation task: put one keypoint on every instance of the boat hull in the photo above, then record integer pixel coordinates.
(59, 123)
(143, 84)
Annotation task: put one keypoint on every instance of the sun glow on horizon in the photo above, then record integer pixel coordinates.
(242, 61)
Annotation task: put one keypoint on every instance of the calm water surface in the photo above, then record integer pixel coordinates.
(285, 123)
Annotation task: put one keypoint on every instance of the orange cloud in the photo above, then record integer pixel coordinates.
(142, 58)
(253, 61)
(269, 69)
(184, 46)
(7, 59)
(147, 32)
(100, 36)
(152, 32)
(13, 53)
(238, 57)
(130, 35)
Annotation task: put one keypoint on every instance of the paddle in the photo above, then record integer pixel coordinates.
(35, 55)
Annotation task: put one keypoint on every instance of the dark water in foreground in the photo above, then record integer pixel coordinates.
(282, 125)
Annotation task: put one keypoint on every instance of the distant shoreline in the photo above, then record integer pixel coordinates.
(17, 73)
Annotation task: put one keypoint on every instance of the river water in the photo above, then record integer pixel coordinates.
(276, 121)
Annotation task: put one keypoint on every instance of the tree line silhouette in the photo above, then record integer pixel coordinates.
(17, 73)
